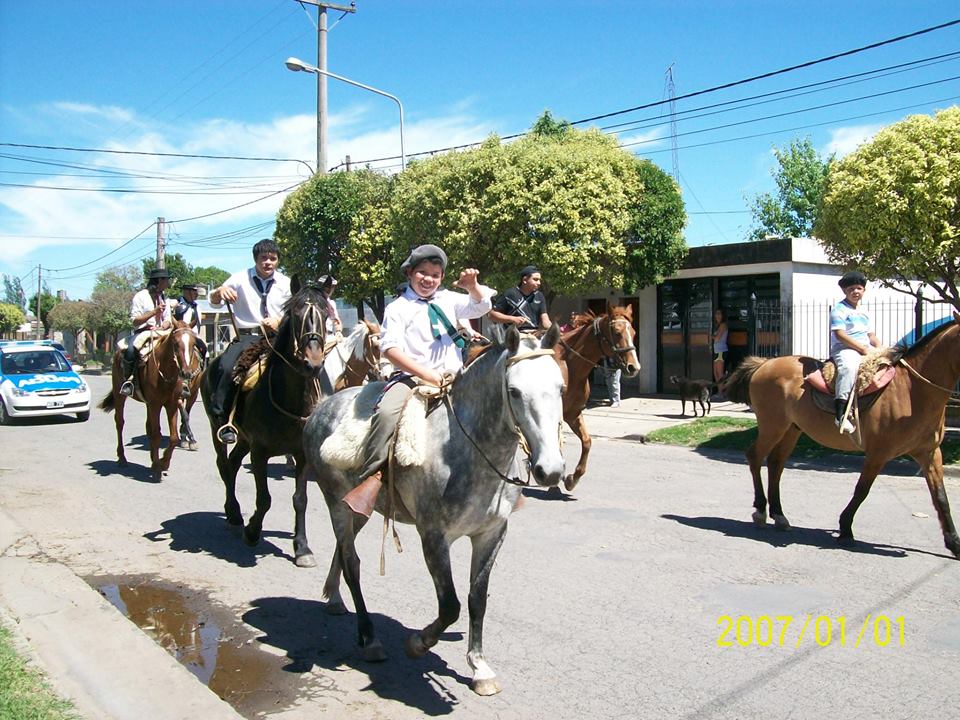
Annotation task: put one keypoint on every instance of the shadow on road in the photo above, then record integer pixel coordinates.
(312, 638)
(208, 532)
(134, 471)
(812, 537)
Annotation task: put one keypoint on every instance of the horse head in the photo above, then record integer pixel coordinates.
(303, 328)
(533, 388)
(378, 367)
(615, 330)
(186, 355)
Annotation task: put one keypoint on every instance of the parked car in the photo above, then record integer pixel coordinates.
(36, 379)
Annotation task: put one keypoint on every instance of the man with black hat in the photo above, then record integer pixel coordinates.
(523, 305)
(327, 285)
(851, 336)
(149, 311)
(419, 336)
(186, 311)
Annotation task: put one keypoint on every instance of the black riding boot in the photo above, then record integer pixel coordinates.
(128, 366)
(839, 408)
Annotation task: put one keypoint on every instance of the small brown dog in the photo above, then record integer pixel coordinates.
(696, 391)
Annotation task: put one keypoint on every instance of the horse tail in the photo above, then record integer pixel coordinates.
(107, 403)
(737, 385)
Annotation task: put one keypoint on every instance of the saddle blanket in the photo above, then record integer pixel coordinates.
(874, 374)
(143, 342)
(344, 448)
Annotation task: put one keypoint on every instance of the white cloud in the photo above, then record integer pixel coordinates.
(644, 142)
(32, 218)
(845, 140)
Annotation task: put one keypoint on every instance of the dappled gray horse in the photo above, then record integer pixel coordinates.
(461, 488)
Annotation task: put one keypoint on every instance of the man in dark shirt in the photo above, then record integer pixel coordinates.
(523, 305)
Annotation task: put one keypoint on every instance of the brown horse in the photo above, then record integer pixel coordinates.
(164, 378)
(906, 419)
(356, 358)
(578, 352)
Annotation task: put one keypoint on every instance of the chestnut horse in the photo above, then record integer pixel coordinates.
(164, 378)
(578, 352)
(906, 419)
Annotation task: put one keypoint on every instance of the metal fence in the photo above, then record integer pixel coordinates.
(803, 328)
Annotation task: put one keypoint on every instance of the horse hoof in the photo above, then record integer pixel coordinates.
(250, 539)
(415, 646)
(335, 608)
(235, 520)
(194, 446)
(570, 482)
(122, 462)
(845, 540)
(373, 652)
(759, 519)
(554, 493)
(487, 686)
(780, 522)
(306, 561)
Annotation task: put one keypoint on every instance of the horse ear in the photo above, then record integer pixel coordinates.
(549, 341)
(513, 339)
(295, 284)
(629, 311)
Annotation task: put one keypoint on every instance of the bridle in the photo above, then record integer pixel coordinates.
(186, 375)
(305, 337)
(512, 360)
(606, 341)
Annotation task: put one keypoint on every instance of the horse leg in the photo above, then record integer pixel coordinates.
(258, 464)
(871, 468)
(436, 553)
(346, 524)
(756, 454)
(331, 587)
(932, 465)
(229, 464)
(776, 461)
(303, 555)
(485, 549)
(153, 433)
(174, 436)
(579, 428)
(118, 402)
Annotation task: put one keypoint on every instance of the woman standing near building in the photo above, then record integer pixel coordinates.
(720, 347)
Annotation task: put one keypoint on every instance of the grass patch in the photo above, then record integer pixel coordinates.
(24, 694)
(730, 433)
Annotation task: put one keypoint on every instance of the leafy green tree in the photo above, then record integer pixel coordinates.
(315, 226)
(11, 317)
(112, 293)
(565, 200)
(800, 177)
(655, 244)
(182, 272)
(208, 276)
(72, 315)
(47, 301)
(892, 208)
(13, 291)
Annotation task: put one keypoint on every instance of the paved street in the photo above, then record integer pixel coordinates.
(610, 604)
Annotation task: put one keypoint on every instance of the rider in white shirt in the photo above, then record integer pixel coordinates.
(149, 311)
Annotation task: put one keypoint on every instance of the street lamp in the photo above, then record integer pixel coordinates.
(297, 65)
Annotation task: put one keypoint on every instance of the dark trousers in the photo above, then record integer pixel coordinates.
(224, 389)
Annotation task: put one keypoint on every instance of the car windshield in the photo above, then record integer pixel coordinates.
(29, 363)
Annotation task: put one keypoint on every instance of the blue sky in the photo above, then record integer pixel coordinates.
(206, 77)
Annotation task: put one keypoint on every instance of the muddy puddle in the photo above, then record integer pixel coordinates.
(209, 641)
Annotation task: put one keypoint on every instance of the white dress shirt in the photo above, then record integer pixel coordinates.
(246, 308)
(143, 302)
(406, 325)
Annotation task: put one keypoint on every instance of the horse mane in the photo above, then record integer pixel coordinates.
(904, 350)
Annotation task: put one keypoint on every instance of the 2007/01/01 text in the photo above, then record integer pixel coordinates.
(785, 630)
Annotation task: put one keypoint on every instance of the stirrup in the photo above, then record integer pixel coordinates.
(227, 434)
(126, 388)
(845, 426)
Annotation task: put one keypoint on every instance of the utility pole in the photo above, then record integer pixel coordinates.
(321, 78)
(161, 244)
(39, 289)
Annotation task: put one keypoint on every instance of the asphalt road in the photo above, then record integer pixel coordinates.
(649, 594)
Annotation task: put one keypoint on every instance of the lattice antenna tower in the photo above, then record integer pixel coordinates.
(672, 98)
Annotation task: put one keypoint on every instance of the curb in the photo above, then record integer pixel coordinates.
(91, 654)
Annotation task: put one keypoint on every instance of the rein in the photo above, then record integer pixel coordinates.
(516, 426)
(299, 418)
(187, 375)
(604, 342)
(952, 393)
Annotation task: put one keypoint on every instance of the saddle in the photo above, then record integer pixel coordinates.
(875, 373)
(251, 364)
(144, 342)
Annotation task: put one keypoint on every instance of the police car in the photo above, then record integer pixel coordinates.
(36, 379)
